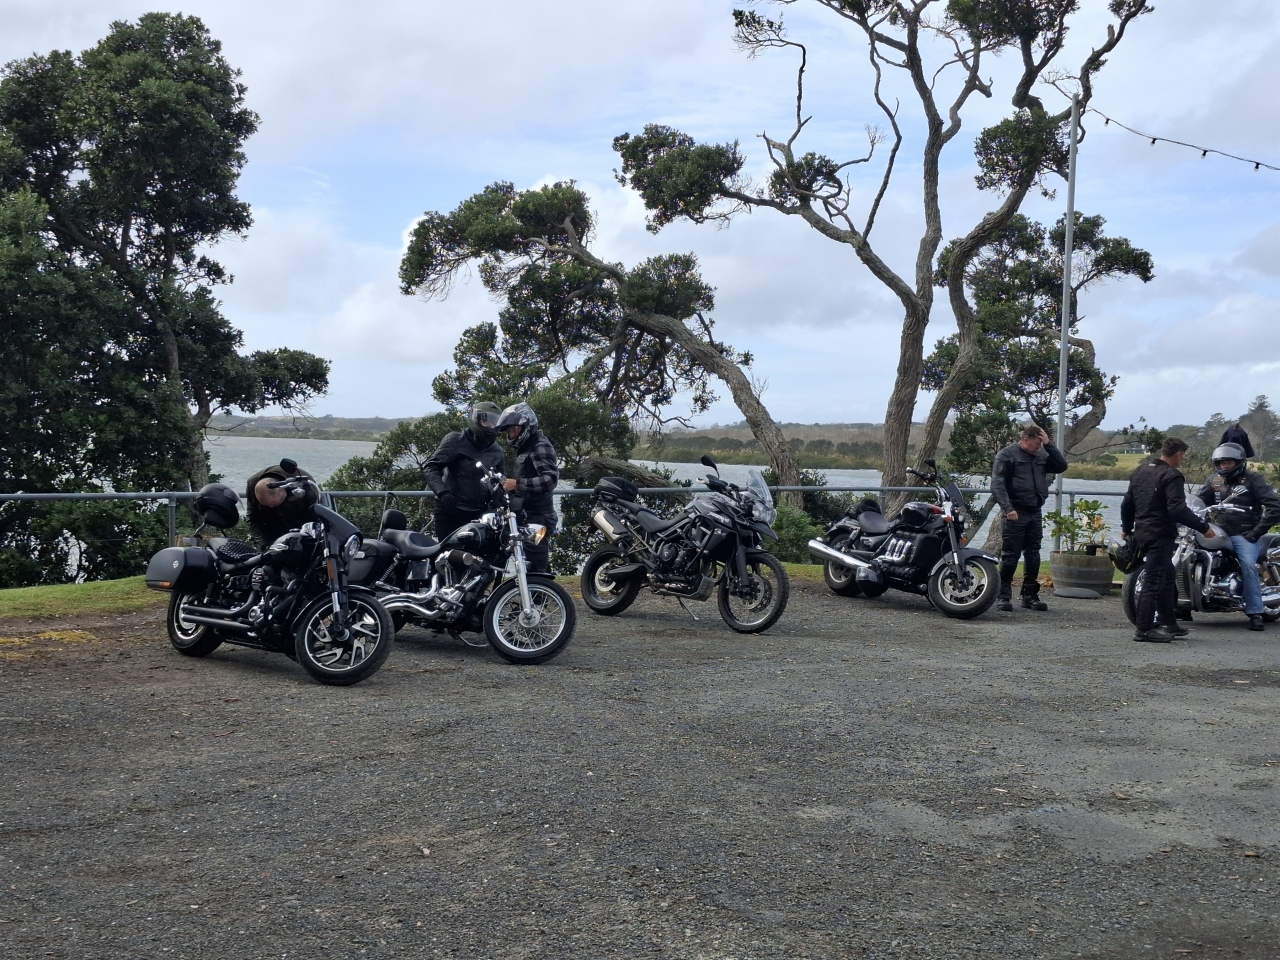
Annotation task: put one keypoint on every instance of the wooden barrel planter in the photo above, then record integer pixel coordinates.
(1081, 571)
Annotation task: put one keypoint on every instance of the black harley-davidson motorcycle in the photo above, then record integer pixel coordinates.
(297, 597)
(474, 581)
(712, 544)
(1207, 570)
(922, 550)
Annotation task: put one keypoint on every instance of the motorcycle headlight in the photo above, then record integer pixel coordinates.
(353, 546)
(534, 533)
(763, 512)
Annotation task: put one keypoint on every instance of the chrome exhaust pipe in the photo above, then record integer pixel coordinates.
(216, 622)
(410, 603)
(219, 611)
(824, 552)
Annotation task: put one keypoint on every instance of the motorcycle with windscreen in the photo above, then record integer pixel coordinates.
(714, 545)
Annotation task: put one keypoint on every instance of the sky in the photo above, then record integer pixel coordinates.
(374, 113)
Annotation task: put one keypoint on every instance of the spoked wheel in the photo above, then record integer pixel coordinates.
(337, 656)
(968, 592)
(535, 638)
(757, 604)
(599, 592)
(840, 579)
(190, 639)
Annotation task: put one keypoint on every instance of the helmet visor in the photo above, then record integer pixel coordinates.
(485, 419)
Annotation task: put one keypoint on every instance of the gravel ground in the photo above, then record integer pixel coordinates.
(867, 779)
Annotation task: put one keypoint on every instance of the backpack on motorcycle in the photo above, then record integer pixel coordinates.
(617, 488)
(1125, 554)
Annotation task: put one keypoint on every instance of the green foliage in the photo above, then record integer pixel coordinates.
(676, 176)
(820, 506)
(669, 285)
(795, 528)
(1080, 526)
(801, 181)
(1020, 149)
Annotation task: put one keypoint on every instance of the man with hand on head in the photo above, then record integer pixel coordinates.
(1020, 485)
(452, 475)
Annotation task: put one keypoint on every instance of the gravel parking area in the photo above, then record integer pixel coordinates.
(868, 779)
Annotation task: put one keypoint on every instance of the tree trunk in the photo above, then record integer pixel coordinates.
(763, 427)
(902, 403)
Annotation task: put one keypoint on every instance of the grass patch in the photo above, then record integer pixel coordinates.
(72, 599)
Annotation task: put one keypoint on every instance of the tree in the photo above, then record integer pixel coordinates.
(135, 149)
(1263, 426)
(632, 337)
(1016, 286)
(677, 177)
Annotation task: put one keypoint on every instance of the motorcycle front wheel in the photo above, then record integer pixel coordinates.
(756, 605)
(537, 638)
(189, 639)
(339, 658)
(968, 592)
(599, 593)
(841, 580)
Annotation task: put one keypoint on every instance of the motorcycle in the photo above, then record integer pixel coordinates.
(1207, 571)
(922, 551)
(715, 542)
(474, 581)
(296, 597)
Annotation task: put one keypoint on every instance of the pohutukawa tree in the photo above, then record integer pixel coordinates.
(134, 147)
(939, 48)
(633, 338)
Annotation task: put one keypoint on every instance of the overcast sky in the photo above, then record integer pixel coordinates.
(373, 113)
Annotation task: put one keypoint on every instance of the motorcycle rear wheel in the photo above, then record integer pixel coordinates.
(965, 599)
(770, 589)
(841, 580)
(341, 662)
(602, 595)
(189, 639)
(555, 619)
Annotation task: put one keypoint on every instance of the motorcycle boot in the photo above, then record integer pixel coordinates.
(1176, 630)
(1255, 621)
(1004, 605)
(1032, 601)
(1157, 634)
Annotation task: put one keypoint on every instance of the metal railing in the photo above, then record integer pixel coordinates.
(171, 497)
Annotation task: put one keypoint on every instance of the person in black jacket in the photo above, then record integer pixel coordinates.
(536, 477)
(1020, 485)
(1238, 435)
(452, 475)
(1153, 506)
(1236, 485)
(271, 513)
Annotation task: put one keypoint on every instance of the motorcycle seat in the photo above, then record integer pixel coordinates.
(872, 523)
(1266, 543)
(652, 523)
(414, 546)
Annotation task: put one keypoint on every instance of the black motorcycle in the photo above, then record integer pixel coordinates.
(296, 597)
(474, 581)
(1208, 572)
(923, 550)
(714, 542)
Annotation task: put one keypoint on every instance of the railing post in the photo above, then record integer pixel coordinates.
(173, 520)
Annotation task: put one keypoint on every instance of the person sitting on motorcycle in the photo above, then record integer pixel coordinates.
(452, 475)
(536, 477)
(273, 512)
(1233, 484)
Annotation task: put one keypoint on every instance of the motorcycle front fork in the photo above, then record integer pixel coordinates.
(522, 573)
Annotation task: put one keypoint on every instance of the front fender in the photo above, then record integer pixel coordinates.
(965, 554)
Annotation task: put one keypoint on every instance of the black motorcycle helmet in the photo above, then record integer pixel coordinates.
(217, 505)
(484, 419)
(519, 415)
(1228, 452)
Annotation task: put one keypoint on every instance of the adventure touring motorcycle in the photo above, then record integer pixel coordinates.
(922, 550)
(713, 543)
(474, 581)
(298, 597)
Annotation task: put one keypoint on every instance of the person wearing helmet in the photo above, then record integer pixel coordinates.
(1233, 483)
(536, 477)
(273, 512)
(451, 472)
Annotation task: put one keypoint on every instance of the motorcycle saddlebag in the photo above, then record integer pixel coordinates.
(371, 562)
(617, 488)
(184, 569)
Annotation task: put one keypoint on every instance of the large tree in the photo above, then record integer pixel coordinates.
(135, 147)
(940, 49)
(633, 337)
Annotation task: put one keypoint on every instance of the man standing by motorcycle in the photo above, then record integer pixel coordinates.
(452, 475)
(1235, 485)
(1153, 506)
(1020, 485)
(273, 512)
(536, 477)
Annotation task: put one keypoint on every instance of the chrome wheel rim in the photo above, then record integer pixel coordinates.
(544, 626)
(604, 587)
(185, 630)
(336, 654)
(965, 588)
(758, 604)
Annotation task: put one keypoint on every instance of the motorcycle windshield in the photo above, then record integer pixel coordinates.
(757, 490)
(1197, 506)
(954, 495)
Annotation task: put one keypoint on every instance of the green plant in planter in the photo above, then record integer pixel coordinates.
(1082, 529)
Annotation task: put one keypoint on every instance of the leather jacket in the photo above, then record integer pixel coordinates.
(1156, 502)
(1018, 477)
(1250, 491)
(452, 469)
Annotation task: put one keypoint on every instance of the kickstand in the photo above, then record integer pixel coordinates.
(680, 600)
